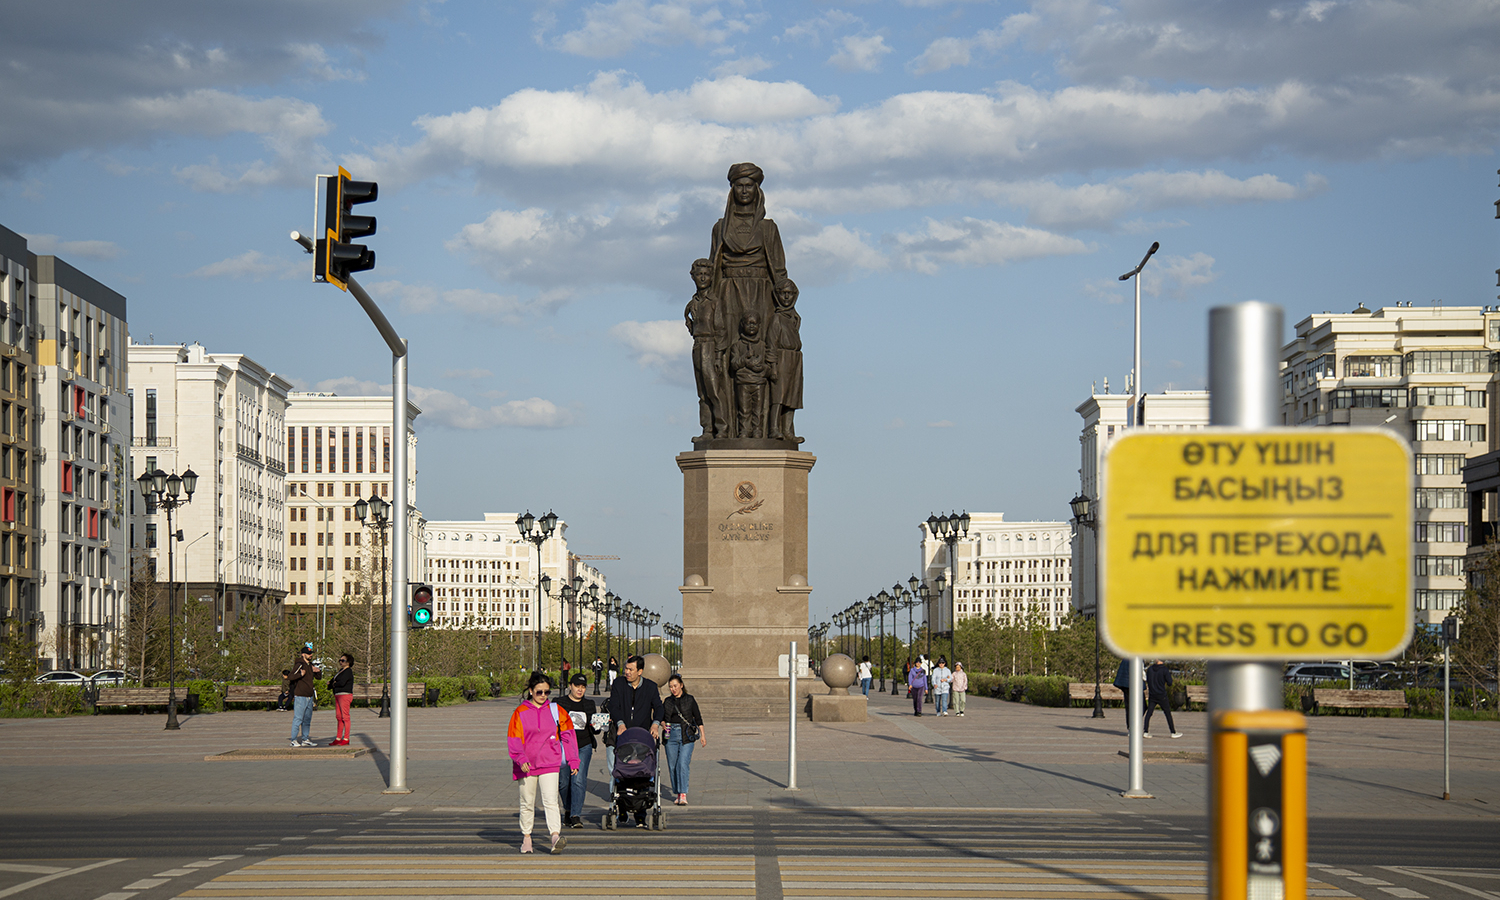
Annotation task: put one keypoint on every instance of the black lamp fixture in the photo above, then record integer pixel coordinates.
(375, 513)
(169, 492)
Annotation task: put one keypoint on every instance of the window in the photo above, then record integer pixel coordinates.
(1440, 463)
(1474, 433)
(1441, 532)
(1367, 398)
(1452, 566)
(1447, 395)
(317, 450)
(304, 449)
(1438, 599)
(1322, 367)
(1448, 362)
(346, 449)
(151, 419)
(1442, 498)
(67, 478)
(1440, 429)
(150, 535)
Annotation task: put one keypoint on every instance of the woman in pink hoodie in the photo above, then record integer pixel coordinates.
(540, 740)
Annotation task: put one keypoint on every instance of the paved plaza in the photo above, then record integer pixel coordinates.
(1008, 801)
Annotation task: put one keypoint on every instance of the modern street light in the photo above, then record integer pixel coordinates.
(170, 492)
(377, 511)
(950, 529)
(537, 531)
(1135, 360)
(1083, 515)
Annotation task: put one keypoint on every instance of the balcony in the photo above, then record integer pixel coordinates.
(151, 442)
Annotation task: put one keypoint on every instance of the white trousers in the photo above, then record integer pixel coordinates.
(551, 807)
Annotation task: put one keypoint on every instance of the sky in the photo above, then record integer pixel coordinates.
(958, 184)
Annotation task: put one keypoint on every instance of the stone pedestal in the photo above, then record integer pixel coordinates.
(836, 707)
(744, 565)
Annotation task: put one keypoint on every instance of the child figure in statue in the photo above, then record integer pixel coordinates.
(785, 340)
(706, 325)
(753, 367)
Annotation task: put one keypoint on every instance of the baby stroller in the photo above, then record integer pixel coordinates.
(637, 788)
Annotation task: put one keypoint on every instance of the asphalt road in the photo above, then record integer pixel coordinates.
(160, 855)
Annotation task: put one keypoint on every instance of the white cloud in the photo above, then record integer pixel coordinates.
(1178, 276)
(947, 52)
(812, 31)
(613, 29)
(446, 409)
(859, 53)
(663, 345)
(744, 65)
(52, 245)
(979, 242)
(832, 253)
(255, 266)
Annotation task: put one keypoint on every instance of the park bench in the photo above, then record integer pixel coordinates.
(252, 693)
(370, 693)
(1085, 691)
(1334, 698)
(142, 697)
(1197, 693)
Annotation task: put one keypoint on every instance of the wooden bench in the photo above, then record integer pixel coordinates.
(370, 693)
(252, 693)
(1197, 693)
(1334, 698)
(142, 697)
(1085, 691)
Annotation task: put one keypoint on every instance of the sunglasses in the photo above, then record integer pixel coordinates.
(540, 693)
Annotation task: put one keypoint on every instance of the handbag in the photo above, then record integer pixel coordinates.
(689, 730)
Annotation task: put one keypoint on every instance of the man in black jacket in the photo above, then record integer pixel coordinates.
(635, 700)
(1158, 680)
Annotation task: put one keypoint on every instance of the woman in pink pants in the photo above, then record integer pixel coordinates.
(342, 686)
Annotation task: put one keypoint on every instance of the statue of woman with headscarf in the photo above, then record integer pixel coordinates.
(748, 262)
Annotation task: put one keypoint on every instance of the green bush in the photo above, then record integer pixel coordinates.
(1038, 690)
(40, 700)
(210, 694)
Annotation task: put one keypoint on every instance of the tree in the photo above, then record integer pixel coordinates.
(1477, 653)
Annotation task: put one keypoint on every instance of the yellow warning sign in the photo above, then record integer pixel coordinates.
(1276, 544)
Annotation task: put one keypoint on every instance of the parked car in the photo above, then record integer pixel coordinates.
(1316, 673)
(62, 677)
(108, 678)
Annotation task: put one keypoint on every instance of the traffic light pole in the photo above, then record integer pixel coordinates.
(400, 526)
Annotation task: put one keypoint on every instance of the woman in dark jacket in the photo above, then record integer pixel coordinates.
(342, 686)
(684, 725)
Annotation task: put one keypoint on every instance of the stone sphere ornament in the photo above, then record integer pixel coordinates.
(657, 669)
(839, 671)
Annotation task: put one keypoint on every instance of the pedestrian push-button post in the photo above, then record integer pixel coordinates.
(1259, 806)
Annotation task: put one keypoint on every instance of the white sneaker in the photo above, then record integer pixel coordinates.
(1147, 734)
(960, 713)
(296, 743)
(308, 744)
(1176, 734)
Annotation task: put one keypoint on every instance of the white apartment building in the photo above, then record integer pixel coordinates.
(20, 496)
(224, 416)
(82, 429)
(339, 450)
(484, 575)
(1427, 373)
(1014, 571)
(1106, 417)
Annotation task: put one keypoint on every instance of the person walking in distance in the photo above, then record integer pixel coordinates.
(614, 672)
(304, 696)
(684, 726)
(941, 681)
(342, 686)
(541, 740)
(864, 675)
(598, 667)
(960, 688)
(574, 790)
(1158, 680)
(916, 682)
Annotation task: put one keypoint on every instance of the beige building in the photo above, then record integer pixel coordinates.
(339, 450)
(1426, 373)
(224, 416)
(1015, 571)
(20, 496)
(1104, 419)
(82, 432)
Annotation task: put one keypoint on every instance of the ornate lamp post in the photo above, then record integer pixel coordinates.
(883, 603)
(1083, 515)
(169, 492)
(949, 529)
(375, 513)
(920, 594)
(537, 531)
(627, 632)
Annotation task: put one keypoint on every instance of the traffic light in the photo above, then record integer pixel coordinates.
(337, 257)
(1450, 630)
(421, 605)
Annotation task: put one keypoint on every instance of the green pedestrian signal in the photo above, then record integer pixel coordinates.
(421, 605)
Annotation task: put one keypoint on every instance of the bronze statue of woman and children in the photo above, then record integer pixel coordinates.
(747, 346)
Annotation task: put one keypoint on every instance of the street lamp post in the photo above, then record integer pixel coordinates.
(537, 531)
(1135, 360)
(950, 529)
(169, 492)
(1084, 516)
(883, 603)
(378, 513)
